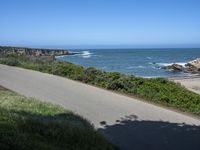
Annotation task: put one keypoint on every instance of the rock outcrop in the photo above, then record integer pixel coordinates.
(194, 63)
(174, 67)
(32, 51)
(190, 67)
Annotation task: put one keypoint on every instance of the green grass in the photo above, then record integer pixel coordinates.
(26, 123)
(158, 90)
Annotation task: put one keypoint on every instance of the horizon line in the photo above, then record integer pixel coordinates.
(99, 47)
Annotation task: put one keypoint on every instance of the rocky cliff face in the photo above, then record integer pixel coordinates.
(190, 67)
(32, 51)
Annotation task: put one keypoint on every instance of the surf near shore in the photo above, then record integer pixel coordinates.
(192, 67)
(146, 63)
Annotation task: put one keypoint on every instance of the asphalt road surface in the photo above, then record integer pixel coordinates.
(128, 123)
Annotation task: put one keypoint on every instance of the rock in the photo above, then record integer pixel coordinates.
(174, 67)
(193, 66)
(32, 51)
(194, 63)
(190, 67)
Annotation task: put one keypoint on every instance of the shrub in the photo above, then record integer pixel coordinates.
(10, 62)
(91, 75)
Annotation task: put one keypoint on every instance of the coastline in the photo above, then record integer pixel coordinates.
(139, 62)
(35, 51)
(191, 82)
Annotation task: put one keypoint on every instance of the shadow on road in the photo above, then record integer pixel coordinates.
(129, 133)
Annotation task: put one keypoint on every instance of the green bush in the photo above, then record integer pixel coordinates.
(10, 62)
(67, 70)
(92, 75)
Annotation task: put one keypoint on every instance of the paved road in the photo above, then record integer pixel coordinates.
(127, 122)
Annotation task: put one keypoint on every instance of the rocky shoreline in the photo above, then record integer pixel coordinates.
(192, 67)
(33, 51)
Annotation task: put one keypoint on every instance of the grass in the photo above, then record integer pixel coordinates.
(26, 123)
(158, 90)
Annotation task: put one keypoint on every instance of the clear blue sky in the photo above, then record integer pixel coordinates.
(90, 23)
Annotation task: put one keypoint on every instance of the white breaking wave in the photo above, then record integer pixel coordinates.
(61, 56)
(168, 64)
(86, 54)
(135, 67)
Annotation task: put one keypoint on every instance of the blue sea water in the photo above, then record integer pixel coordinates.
(140, 62)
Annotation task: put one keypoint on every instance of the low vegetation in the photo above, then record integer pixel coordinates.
(159, 90)
(26, 123)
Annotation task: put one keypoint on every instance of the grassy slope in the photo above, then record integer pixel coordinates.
(26, 123)
(158, 90)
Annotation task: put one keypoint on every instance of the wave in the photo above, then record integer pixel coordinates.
(168, 64)
(135, 67)
(84, 54)
(60, 56)
(148, 57)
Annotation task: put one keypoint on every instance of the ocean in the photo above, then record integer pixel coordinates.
(139, 62)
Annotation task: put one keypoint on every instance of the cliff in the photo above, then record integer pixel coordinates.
(32, 51)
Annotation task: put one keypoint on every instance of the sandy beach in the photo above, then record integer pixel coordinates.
(191, 83)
